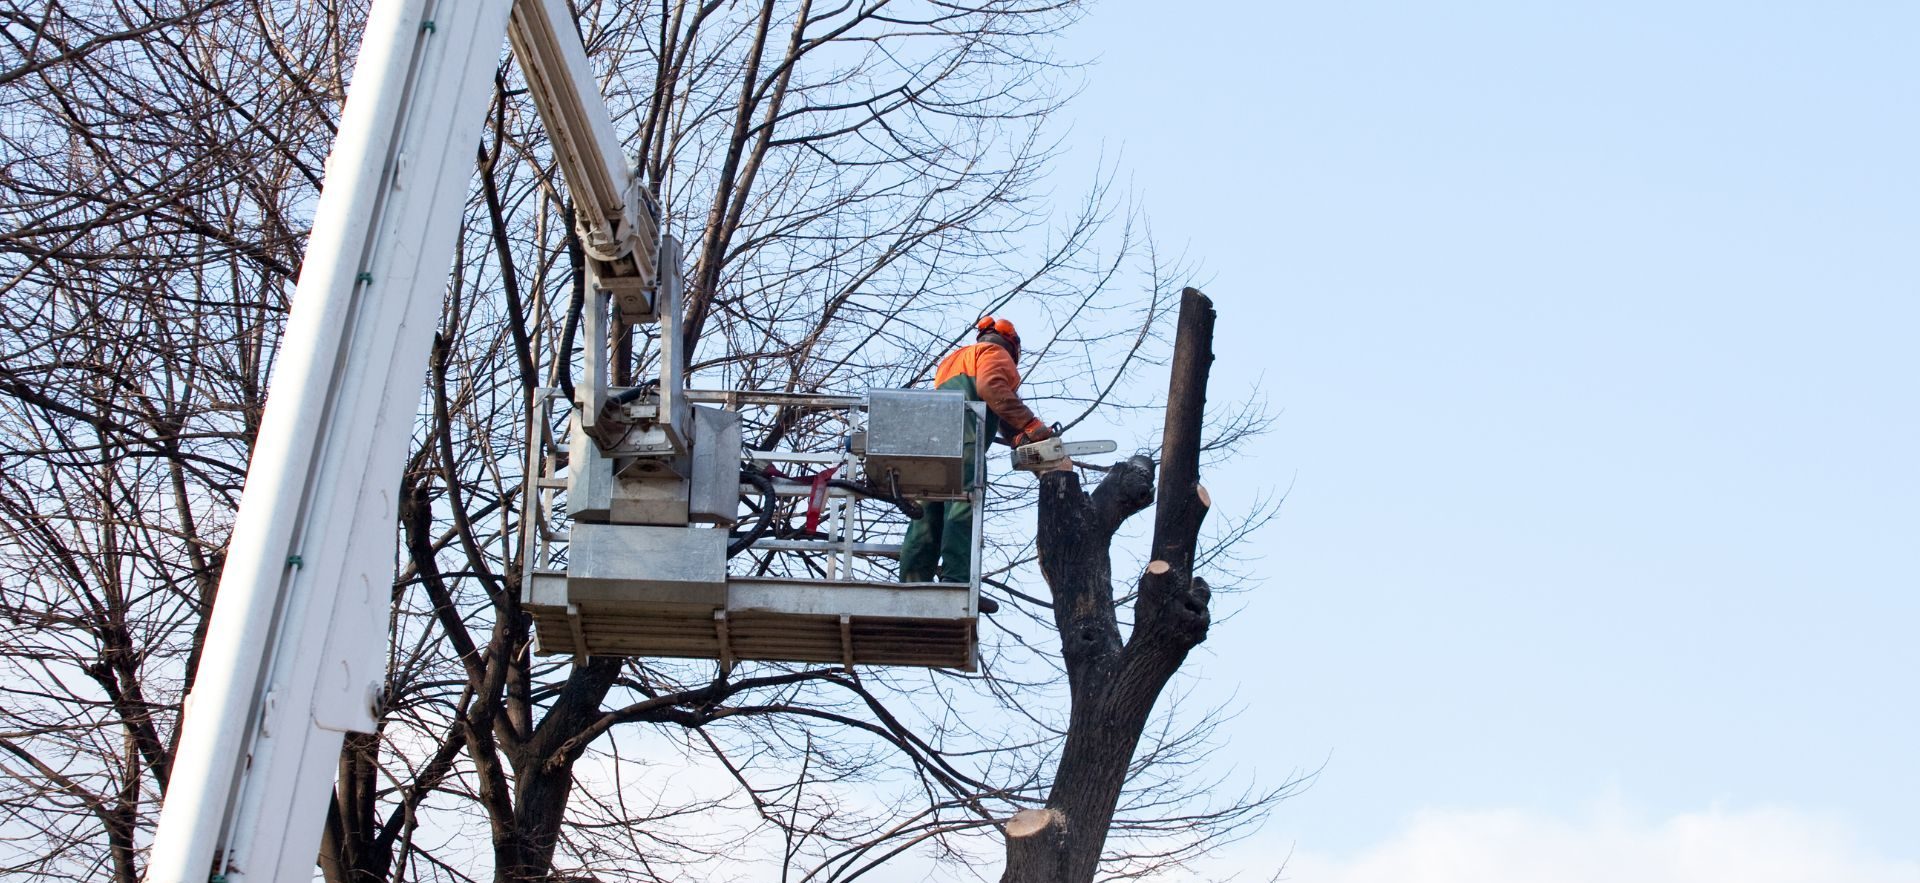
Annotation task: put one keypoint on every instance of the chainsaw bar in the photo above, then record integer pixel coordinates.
(1075, 449)
(1044, 455)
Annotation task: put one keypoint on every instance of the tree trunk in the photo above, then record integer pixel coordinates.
(347, 843)
(543, 775)
(1114, 685)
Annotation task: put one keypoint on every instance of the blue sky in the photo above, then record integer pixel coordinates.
(1593, 329)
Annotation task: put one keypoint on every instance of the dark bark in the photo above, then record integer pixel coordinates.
(543, 771)
(1114, 684)
(346, 843)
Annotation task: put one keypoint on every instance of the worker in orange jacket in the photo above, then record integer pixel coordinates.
(940, 541)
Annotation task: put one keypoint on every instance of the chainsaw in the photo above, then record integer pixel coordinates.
(1051, 453)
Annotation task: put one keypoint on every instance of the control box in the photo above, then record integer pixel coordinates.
(916, 441)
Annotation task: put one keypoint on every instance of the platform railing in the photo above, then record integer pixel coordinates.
(858, 535)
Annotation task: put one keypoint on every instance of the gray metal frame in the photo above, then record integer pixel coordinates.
(567, 621)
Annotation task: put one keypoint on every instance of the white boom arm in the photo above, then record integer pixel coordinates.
(614, 216)
(296, 648)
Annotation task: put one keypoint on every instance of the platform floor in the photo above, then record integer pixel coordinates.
(851, 623)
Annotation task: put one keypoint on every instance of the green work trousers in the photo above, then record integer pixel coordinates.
(940, 541)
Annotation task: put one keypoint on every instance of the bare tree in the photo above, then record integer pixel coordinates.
(856, 183)
(1115, 679)
(148, 232)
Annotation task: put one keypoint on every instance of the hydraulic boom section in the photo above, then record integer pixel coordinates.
(295, 650)
(614, 214)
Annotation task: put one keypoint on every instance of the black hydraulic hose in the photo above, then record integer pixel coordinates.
(907, 507)
(631, 394)
(571, 327)
(764, 484)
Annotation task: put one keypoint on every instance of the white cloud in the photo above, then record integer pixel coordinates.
(1767, 845)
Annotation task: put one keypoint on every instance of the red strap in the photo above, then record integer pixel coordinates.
(817, 497)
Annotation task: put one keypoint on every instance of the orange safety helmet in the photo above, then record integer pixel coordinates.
(1002, 327)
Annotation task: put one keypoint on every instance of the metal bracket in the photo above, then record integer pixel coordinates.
(595, 331)
(726, 646)
(579, 634)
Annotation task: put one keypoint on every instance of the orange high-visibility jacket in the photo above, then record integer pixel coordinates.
(986, 373)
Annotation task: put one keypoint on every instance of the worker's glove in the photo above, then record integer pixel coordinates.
(1035, 431)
